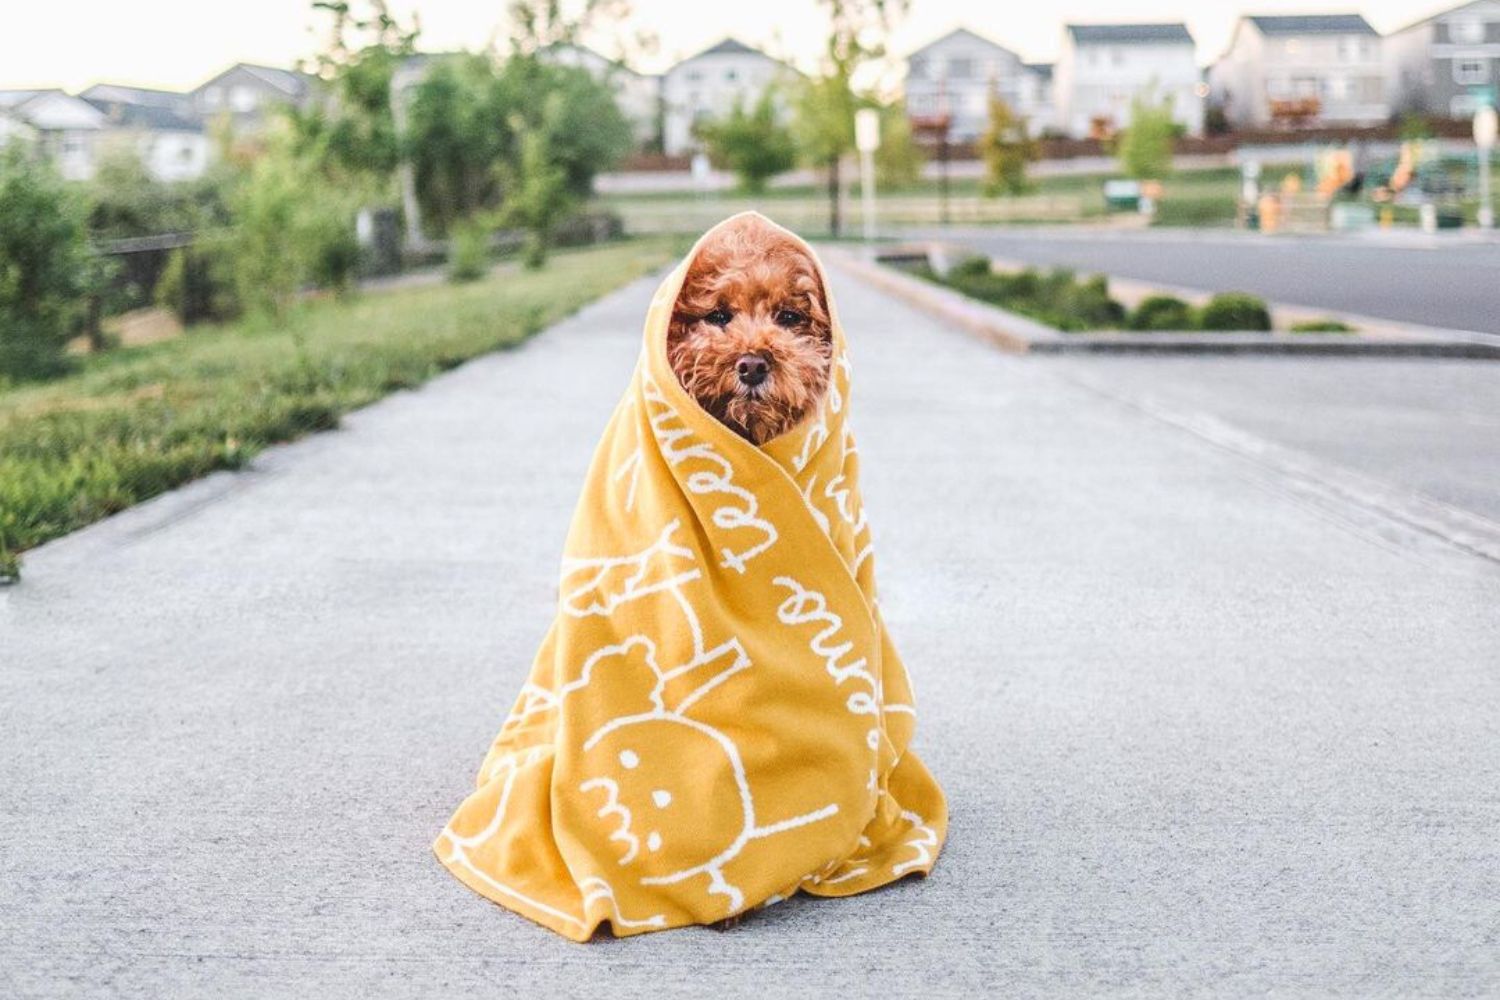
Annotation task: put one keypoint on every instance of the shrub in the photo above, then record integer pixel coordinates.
(1235, 311)
(753, 142)
(1162, 312)
(1322, 326)
(970, 267)
(468, 252)
(46, 270)
(1088, 303)
(198, 282)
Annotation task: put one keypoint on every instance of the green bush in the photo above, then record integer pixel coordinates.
(468, 252)
(1162, 312)
(1057, 297)
(1322, 326)
(198, 282)
(46, 270)
(754, 143)
(1235, 311)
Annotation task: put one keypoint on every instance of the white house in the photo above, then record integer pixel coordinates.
(66, 128)
(161, 126)
(1446, 64)
(708, 85)
(637, 94)
(1103, 67)
(958, 73)
(1302, 67)
(248, 94)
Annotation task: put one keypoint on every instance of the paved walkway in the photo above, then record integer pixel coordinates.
(1201, 732)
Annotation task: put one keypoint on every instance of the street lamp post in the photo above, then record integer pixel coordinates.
(1485, 125)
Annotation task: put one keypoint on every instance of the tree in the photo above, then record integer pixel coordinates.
(45, 265)
(825, 103)
(1145, 149)
(538, 195)
(355, 133)
(1006, 147)
(292, 228)
(754, 143)
(898, 161)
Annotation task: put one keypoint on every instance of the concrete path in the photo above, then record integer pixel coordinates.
(1201, 733)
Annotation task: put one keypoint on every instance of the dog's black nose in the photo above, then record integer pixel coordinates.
(753, 369)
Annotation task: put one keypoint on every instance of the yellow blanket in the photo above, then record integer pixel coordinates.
(717, 718)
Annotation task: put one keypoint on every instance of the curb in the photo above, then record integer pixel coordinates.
(1021, 335)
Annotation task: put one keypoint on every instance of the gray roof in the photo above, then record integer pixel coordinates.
(290, 82)
(1129, 34)
(1312, 24)
(961, 32)
(15, 98)
(728, 46)
(153, 117)
(118, 93)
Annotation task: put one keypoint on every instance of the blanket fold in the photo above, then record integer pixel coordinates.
(717, 718)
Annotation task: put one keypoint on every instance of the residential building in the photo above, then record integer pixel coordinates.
(1036, 100)
(1302, 68)
(709, 84)
(957, 74)
(1447, 64)
(161, 126)
(1102, 68)
(66, 128)
(249, 94)
(637, 94)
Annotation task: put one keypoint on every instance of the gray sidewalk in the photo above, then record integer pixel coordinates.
(1201, 731)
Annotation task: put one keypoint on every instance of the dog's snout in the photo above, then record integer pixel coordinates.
(752, 369)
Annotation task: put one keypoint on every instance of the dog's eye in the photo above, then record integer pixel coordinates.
(719, 317)
(789, 317)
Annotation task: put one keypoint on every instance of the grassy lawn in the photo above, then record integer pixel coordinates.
(136, 422)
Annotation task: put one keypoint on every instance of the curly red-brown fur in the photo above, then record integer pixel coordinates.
(760, 278)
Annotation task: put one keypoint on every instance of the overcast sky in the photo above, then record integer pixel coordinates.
(179, 43)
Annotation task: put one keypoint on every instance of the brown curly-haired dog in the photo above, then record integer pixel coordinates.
(750, 337)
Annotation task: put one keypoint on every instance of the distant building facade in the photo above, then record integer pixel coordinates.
(1448, 64)
(248, 94)
(708, 85)
(162, 127)
(67, 129)
(1102, 68)
(1286, 69)
(957, 74)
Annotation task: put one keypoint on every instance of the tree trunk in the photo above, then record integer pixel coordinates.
(833, 197)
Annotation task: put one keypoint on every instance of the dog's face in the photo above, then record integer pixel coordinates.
(750, 337)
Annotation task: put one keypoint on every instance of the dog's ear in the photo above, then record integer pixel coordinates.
(809, 288)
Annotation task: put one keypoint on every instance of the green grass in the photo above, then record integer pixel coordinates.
(133, 423)
(1322, 326)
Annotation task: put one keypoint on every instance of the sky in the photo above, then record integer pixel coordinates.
(177, 44)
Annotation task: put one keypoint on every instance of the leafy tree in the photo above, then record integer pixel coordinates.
(898, 161)
(1145, 149)
(1007, 147)
(355, 133)
(825, 102)
(45, 265)
(456, 136)
(292, 228)
(587, 133)
(538, 195)
(754, 143)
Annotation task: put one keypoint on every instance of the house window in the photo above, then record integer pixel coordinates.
(694, 76)
(960, 69)
(917, 67)
(1292, 46)
(213, 97)
(242, 99)
(730, 76)
(1467, 72)
(1466, 30)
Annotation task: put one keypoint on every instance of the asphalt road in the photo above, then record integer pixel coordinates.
(1200, 734)
(1434, 283)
